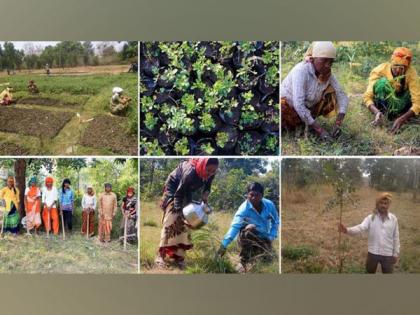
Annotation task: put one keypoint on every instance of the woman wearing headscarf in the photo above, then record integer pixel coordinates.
(10, 195)
(188, 177)
(33, 205)
(89, 204)
(129, 211)
(393, 91)
(311, 90)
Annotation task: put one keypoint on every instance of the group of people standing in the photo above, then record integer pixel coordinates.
(44, 206)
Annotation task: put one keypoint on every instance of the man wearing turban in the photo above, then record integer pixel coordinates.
(383, 236)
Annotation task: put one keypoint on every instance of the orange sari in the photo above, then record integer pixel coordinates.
(33, 208)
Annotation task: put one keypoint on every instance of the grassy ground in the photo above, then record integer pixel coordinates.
(83, 92)
(310, 236)
(358, 137)
(201, 259)
(76, 254)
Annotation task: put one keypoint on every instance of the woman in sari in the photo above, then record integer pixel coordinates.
(10, 195)
(189, 176)
(33, 205)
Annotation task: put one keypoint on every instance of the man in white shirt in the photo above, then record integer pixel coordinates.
(383, 236)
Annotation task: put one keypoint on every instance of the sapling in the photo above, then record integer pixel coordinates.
(182, 146)
(150, 121)
(207, 148)
(207, 122)
(343, 194)
(221, 139)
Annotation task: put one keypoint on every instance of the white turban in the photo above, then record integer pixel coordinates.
(117, 90)
(324, 50)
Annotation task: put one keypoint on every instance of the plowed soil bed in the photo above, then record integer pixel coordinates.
(33, 122)
(108, 132)
(44, 101)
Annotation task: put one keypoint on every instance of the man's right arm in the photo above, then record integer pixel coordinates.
(362, 227)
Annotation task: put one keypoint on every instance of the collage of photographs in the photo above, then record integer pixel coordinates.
(198, 157)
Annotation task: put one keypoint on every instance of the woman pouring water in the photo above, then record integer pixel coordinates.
(188, 177)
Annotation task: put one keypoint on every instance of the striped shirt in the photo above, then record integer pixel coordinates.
(303, 90)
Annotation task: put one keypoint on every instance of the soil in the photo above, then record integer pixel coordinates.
(33, 122)
(7, 148)
(44, 101)
(109, 132)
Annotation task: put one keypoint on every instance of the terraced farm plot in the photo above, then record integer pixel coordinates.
(69, 109)
(33, 122)
(45, 102)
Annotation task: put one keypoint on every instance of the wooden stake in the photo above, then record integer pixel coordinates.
(49, 223)
(87, 225)
(62, 225)
(2, 224)
(340, 256)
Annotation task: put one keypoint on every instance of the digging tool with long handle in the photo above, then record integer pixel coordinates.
(125, 231)
(87, 225)
(49, 222)
(62, 224)
(2, 223)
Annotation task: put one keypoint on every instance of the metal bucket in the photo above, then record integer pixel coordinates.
(197, 214)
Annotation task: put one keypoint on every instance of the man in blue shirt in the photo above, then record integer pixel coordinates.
(257, 223)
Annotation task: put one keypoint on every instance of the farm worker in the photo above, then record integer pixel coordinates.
(129, 210)
(47, 69)
(393, 90)
(10, 195)
(89, 206)
(67, 204)
(188, 177)
(50, 201)
(32, 87)
(311, 90)
(256, 224)
(6, 97)
(383, 235)
(33, 205)
(119, 102)
(107, 210)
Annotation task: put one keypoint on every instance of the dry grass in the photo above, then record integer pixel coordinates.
(307, 228)
(76, 254)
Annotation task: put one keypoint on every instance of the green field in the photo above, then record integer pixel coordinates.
(202, 258)
(70, 115)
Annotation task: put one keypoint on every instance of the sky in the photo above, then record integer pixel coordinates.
(21, 45)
